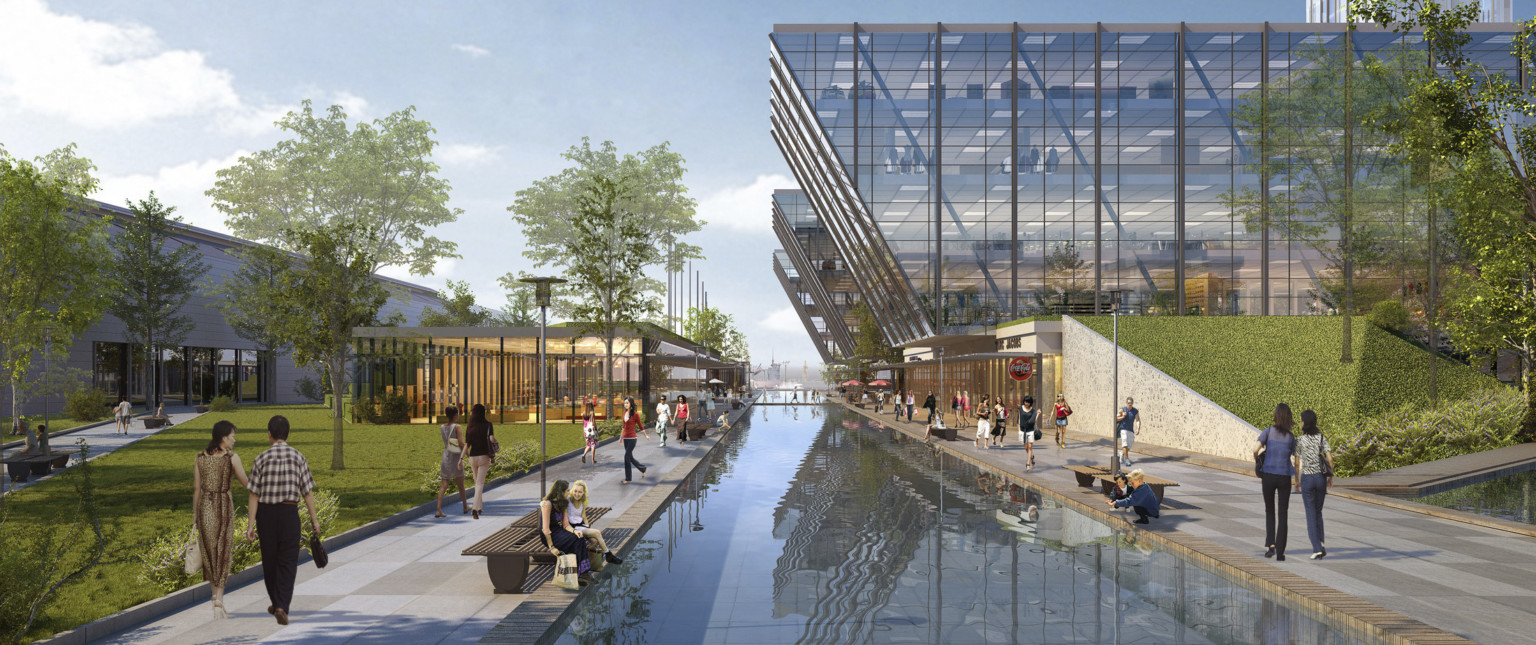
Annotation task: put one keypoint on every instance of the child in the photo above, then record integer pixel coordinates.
(1140, 498)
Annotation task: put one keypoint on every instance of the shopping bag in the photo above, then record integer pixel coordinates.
(565, 572)
(193, 557)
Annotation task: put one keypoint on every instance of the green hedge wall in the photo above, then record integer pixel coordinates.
(1247, 364)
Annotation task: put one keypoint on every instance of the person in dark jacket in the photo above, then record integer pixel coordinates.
(931, 404)
(1141, 499)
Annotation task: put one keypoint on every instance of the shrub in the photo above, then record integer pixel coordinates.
(1413, 434)
(606, 429)
(86, 404)
(1390, 315)
(309, 389)
(515, 457)
(391, 409)
(161, 561)
(222, 404)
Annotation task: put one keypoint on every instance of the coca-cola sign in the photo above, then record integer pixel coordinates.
(1020, 369)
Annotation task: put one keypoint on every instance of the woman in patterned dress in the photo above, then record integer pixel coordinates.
(213, 510)
(452, 466)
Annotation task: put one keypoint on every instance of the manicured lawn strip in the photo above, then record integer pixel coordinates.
(146, 488)
(1247, 364)
(1048, 318)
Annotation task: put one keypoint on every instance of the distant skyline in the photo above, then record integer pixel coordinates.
(162, 94)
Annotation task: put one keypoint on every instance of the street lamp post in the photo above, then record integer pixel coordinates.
(542, 288)
(1114, 317)
(935, 411)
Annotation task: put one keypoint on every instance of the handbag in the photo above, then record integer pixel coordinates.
(317, 551)
(454, 447)
(1038, 434)
(192, 556)
(1258, 460)
(565, 572)
(1327, 469)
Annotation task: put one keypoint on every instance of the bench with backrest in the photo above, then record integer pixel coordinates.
(1087, 474)
(508, 551)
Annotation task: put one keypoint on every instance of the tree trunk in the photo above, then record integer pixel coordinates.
(1528, 378)
(149, 373)
(608, 377)
(15, 407)
(337, 388)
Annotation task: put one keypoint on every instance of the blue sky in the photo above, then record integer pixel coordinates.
(162, 94)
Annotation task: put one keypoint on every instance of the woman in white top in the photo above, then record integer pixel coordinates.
(589, 432)
(663, 416)
(576, 514)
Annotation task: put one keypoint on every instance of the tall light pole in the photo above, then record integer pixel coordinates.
(542, 288)
(1114, 317)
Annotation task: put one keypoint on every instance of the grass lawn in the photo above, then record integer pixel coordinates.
(1247, 364)
(58, 421)
(146, 488)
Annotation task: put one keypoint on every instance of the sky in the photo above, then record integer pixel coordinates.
(162, 94)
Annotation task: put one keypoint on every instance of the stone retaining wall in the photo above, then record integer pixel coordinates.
(1172, 415)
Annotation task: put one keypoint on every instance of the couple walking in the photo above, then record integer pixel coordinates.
(1289, 463)
(279, 479)
(476, 444)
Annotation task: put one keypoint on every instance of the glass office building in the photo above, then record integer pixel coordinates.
(813, 274)
(974, 174)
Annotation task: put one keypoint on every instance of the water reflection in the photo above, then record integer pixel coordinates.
(1511, 497)
(829, 528)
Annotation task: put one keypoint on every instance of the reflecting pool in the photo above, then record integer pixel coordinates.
(1508, 497)
(817, 526)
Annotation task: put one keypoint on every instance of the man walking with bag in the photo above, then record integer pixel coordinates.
(279, 478)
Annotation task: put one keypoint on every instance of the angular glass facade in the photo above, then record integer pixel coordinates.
(811, 257)
(973, 174)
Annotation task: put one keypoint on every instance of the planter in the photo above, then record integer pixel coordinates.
(40, 467)
(155, 422)
(201, 409)
(19, 471)
(60, 463)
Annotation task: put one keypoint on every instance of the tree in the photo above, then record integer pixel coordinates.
(1318, 135)
(153, 284)
(604, 220)
(869, 344)
(53, 260)
(330, 291)
(1483, 140)
(379, 177)
(252, 302)
(459, 309)
(716, 330)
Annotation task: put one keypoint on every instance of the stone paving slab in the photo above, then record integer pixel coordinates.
(1386, 565)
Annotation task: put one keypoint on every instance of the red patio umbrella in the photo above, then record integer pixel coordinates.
(852, 382)
(881, 382)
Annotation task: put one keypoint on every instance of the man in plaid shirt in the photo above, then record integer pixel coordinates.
(279, 479)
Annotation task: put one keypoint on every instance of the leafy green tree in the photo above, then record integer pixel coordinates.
(604, 220)
(1481, 140)
(459, 309)
(53, 260)
(1068, 279)
(869, 344)
(379, 178)
(330, 291)
(715, 329)
(252, 302)
(153, 283)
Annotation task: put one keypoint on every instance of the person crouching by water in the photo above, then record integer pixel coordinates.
(575, 514)
(1140, 499)
(559, 536)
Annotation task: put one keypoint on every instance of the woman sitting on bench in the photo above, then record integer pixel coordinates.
(1141, 498)
(558, 534)
(937, 429)
(574, 513)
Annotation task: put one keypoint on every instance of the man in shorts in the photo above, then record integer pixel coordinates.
(1128, 420)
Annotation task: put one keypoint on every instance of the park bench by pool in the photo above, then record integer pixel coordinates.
(508, 551)
(1087, 474)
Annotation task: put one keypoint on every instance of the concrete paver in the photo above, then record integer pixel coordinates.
(1468, 579)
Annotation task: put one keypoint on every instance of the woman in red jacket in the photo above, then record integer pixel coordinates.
(633, 423)
(682, 418)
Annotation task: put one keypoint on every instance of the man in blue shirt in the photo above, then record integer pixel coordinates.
(1128, 420)
(1141, 498)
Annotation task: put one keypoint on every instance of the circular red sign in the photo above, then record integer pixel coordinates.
(1021, 368)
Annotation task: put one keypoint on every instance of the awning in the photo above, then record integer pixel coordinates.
(982, 356)
(704, 362)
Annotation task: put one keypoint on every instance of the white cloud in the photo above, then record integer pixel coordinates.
(467, 154)
(254, 120)
(101, 74)
(745, 208)
(355, 106)
(441, 271)
(784, 320)
(181, 185)
(473, 51)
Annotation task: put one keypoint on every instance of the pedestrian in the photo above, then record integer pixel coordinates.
(632, 423)
(954, 409)
(983, 428)
(931, 404)
(1028, 416)
(279, 479)
(910, 398)
(481, 437)
(965, 406)
(451, 467)
(1061, 413)
(589, 432)
(559, 536)
(1128, 419)
(575, 514)
(214, 511)
(936, 427)
(124, 412)
(1313, 462)
(682, 419)
(1140, 497)
(663, 415)
(999, 422)
(1277, 444)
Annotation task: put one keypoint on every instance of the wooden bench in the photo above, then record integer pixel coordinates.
(508, 551)
(1087, 474)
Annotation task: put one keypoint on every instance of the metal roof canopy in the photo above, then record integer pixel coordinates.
(981, 356)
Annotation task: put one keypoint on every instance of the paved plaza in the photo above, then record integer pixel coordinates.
(1470, 580)
(409, 584)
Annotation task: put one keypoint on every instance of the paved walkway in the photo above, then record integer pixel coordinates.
(1470, 580)
(409, 584)
(102, 439)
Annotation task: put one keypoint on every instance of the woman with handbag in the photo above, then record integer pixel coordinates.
(1273, 461)
(559, 536)
(1062, 411)
(214, 511)
(481, 438)
(1313, 462)
(589, 432)
(452, 466)
(1028, 416)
